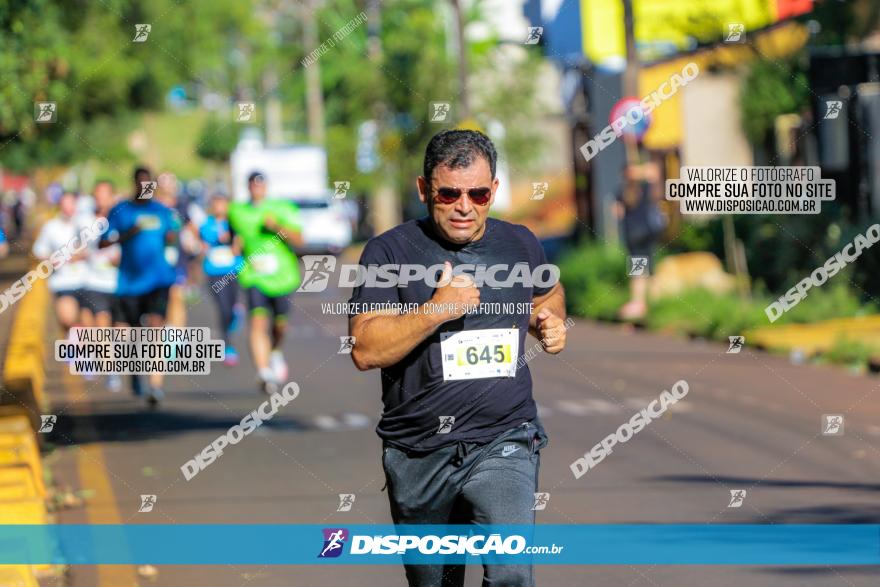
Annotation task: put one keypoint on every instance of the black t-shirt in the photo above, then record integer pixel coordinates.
(414, 393)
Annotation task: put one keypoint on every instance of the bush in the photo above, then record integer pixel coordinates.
(851, 352)
(703, 313)
(596, 285)
(595, 281)
(217, 140)
(833, 300)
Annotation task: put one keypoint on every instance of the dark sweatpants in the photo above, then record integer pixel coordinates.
(225, 296)
(468, 483)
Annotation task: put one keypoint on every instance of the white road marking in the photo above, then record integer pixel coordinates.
(346, 421)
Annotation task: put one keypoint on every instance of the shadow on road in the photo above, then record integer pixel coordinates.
(826, 514)
(827, 570)
(134, 426)
(747, 482)
(851, 513)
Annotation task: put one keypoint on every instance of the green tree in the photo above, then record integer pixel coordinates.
(770, 89)
(217, 140)
(81, 55)
(416, 68)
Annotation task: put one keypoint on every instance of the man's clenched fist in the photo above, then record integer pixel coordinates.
(455, 294)
(551, 331)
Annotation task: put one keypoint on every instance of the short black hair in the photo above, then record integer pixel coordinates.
(255, 175)
(139, 170)
(457, 149)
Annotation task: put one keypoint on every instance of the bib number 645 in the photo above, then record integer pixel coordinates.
(475, 354)
(498, 353)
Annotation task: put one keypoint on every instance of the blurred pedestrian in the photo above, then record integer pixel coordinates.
(142, 228)
(68, 278)
(103, 273)
(175, 254)
(18, 213)
(642, 223)
(221, 265)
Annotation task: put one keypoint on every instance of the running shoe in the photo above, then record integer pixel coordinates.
(154, 396)
(238, 314)
(114, 383)
(231, 358)
(268, 384)
(278, 365)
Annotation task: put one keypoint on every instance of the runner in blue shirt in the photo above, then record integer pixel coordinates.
(222, 264)
(142, 228)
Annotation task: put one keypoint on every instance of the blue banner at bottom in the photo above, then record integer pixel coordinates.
(569, 544)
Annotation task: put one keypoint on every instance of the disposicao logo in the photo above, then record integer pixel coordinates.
(334, 541)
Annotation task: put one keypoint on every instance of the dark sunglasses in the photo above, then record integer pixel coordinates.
(479, 196)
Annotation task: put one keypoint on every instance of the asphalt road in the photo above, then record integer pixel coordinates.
(750, 421)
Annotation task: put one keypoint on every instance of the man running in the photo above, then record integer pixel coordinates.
(267, 230)
(68, 279)
(142, 228)
(460, 429)
(180, 253)
(102, 277)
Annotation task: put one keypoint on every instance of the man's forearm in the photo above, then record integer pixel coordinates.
(121, 238)
(383, 340)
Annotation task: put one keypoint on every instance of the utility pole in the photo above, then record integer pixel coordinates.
(384, 207)
(630, 75)
(272, 15)
(314, 94)
(274, 125)
(463, 106)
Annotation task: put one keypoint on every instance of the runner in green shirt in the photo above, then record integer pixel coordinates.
(267, 231)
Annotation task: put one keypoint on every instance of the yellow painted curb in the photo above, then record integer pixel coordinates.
(15, 419)
(17, 576)
(23, 453)
(22, 400)
(20, 449)
(819, 336)
(23, 370)
(18, 483)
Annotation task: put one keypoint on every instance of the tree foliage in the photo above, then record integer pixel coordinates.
(81, 55)
(770, 89)
(217, 140)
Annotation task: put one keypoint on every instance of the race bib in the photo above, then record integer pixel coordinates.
(221, 256)
(148, 222)
(264, 264)
(477, 354)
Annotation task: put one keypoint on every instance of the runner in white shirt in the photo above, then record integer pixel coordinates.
(68, 277)
(100, 284)
(103, 271)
